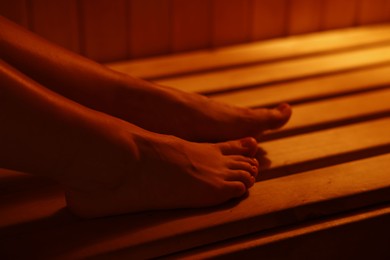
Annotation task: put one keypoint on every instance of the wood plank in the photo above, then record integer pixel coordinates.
(192, 20)
(304, 16)
(319, 148)
(48, 16)
(232, 22)
(150, 26)
(258, 52)
(333, 142)
(249, 76)
(271, 203)
(104, 29)
(333, 238)
(307, 89)
(16, 11)
(339, 14)
(269, 19)
(374, 11)
(339, 110)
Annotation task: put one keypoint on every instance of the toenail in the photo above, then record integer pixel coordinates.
(255, 161)
(253, 180)
(247, 142)
(283, 107)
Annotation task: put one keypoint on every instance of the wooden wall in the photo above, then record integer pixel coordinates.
(110, 30)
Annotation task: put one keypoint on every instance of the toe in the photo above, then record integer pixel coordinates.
(242, 176)
(234, 189)
(240, 158)
(244, 165)
(273, 118)
(246, 146)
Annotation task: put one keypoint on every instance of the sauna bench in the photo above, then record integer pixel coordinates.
(325, 195)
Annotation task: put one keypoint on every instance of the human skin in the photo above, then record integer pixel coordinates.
(156, 108)
(119, 144)
(108, 166)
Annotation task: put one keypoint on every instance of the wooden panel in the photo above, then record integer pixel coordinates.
(339, 14)
(150, 27)
(191, 24)
(327, 112)
(269, 19)
(308, 89)
(287, 153)
(104, 29)
(260, 74)
(304, 16)
(254, 52)
(374, 11)
(342, 109)
(232, 22)
(15, 10)
(271, 203)
(57, 21)
(324, 239)
(34, 222)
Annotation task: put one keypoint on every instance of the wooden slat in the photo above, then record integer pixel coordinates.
(269, 19)
(16, 11)
(104, 29)
(34, 218)
(304, 16)
(340, 142)
(341, 109)
(374, 11)
(333, 238)
(339, 14)
(48, 16)
(279, 71)
(232, 22)
(307, 89)
(150, 26)
(270, 203)
(255, 52)
(192, 21)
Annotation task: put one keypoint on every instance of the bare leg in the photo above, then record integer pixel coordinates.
(107, 165)
(158, 109)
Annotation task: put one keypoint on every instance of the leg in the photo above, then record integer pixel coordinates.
(140, 102)
(108, 166)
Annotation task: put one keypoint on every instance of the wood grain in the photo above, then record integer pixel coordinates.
(192, 20)
(374, 11)
(16, 11)
(263, 51)
(339, 14)
(321, 146)
(249, 76)
(232, 21)
(269, 19)
(48, 16)
(271, 203)
(104, 28)
(339, 110)
(150, 23)
(322, 173)
(304, 16)
(311, 240)
(308, 89)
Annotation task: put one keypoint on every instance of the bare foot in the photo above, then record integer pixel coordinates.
(195, 117)
(160, 172)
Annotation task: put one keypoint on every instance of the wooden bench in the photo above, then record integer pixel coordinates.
(325, 195)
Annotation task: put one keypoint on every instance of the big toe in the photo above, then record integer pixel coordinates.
(245, 146)
(274, 118)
